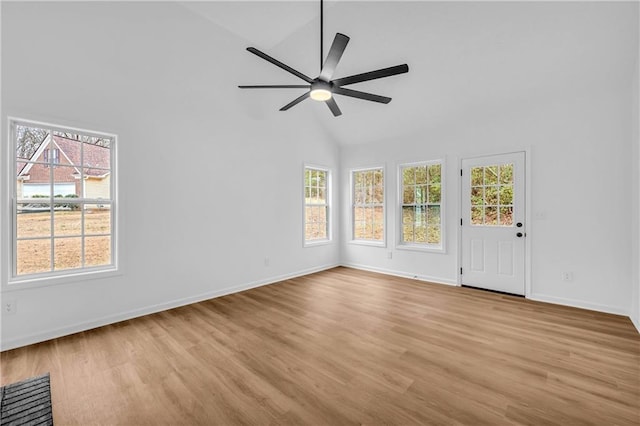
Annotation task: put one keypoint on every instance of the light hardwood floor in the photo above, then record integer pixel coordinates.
(346, 347)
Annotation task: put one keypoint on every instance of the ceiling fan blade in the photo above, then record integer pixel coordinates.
(333, 57)
(277, 86)
(279, 64)
(296, 101)
(371, 75)
(361, 95)
(333, 106)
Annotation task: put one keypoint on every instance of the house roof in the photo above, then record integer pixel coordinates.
(96, 158)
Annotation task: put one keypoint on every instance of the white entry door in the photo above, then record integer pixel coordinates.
(493, 222)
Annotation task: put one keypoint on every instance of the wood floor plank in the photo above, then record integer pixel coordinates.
(346, 347)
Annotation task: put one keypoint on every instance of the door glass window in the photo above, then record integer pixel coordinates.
(492, 195)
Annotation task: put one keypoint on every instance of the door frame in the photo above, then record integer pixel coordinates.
(527, 213)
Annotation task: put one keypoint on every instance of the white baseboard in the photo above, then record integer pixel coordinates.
(431, 279)
(152, 309)
(579, 304)
(636, 322)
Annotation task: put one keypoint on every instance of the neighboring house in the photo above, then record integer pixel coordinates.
(80, 169)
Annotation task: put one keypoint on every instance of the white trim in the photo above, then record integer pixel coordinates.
(426, 278)
(421, 247)
(43, 279)
(328, 194)
(351, 239)
(151, 309)
(579, 304)
(527, 219)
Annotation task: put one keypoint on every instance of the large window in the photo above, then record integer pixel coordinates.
(368, 205)
(316, 205)
(421, 205)
(63, 197)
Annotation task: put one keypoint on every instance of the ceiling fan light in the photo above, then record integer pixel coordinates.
(320, 95)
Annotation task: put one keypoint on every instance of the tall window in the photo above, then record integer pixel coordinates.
(63, 216)
(368, 205)
(421, 204)
(316, 204)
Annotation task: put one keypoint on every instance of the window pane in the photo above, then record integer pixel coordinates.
(477, 195)
(97, 184)
(433, 215)
(33, 220)
(322, 230)
(506, 194)
(322, 178)
(435, 171)
(433, 234)
(321, 214)
(33, 256)
(67, 220)
(66, 182)
(96, 156)
(378, 194)
(322, 196)
(506, 173)
(409, 194)
(67, 253)
(491, 195)
(408, 176)
(28, 140)
(359, 229)
(97, 221)
(378, 178)
(491, 215)
(420, 233)
(378, 218)
(97, 251)
(308, 231)
(408, 215)
(421, 175)
(421, 194)
(69, 150)
(407, 233)
(420, 215)
(506, 215)
(434, 193)
(477, 215)
(477, 176)
(491, 175)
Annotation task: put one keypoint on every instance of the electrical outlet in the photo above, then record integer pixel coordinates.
(567, 276)
(389, 255)
(9, 307)
(266, 261)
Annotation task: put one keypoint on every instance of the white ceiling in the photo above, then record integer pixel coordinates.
(464, 57)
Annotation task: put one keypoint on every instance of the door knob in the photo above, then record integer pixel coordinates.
(519, 234)
(519, 224)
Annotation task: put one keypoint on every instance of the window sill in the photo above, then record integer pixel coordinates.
(314, 243)
(421, 248)
(368, 243)
(19, 283)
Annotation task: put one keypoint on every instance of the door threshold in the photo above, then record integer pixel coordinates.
(493, 291)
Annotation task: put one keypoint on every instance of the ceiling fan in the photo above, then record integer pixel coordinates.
(322, 88)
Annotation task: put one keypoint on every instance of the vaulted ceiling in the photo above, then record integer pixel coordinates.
(465, 58)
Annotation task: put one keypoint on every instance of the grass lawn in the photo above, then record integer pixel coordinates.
(34, 256)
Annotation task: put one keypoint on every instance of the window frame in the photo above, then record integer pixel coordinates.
(328, 195)
(352, 239)
(423, 247)
(9, 244)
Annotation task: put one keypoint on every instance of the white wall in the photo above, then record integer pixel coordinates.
(209, 177)
(580, 179)
(635, 197)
